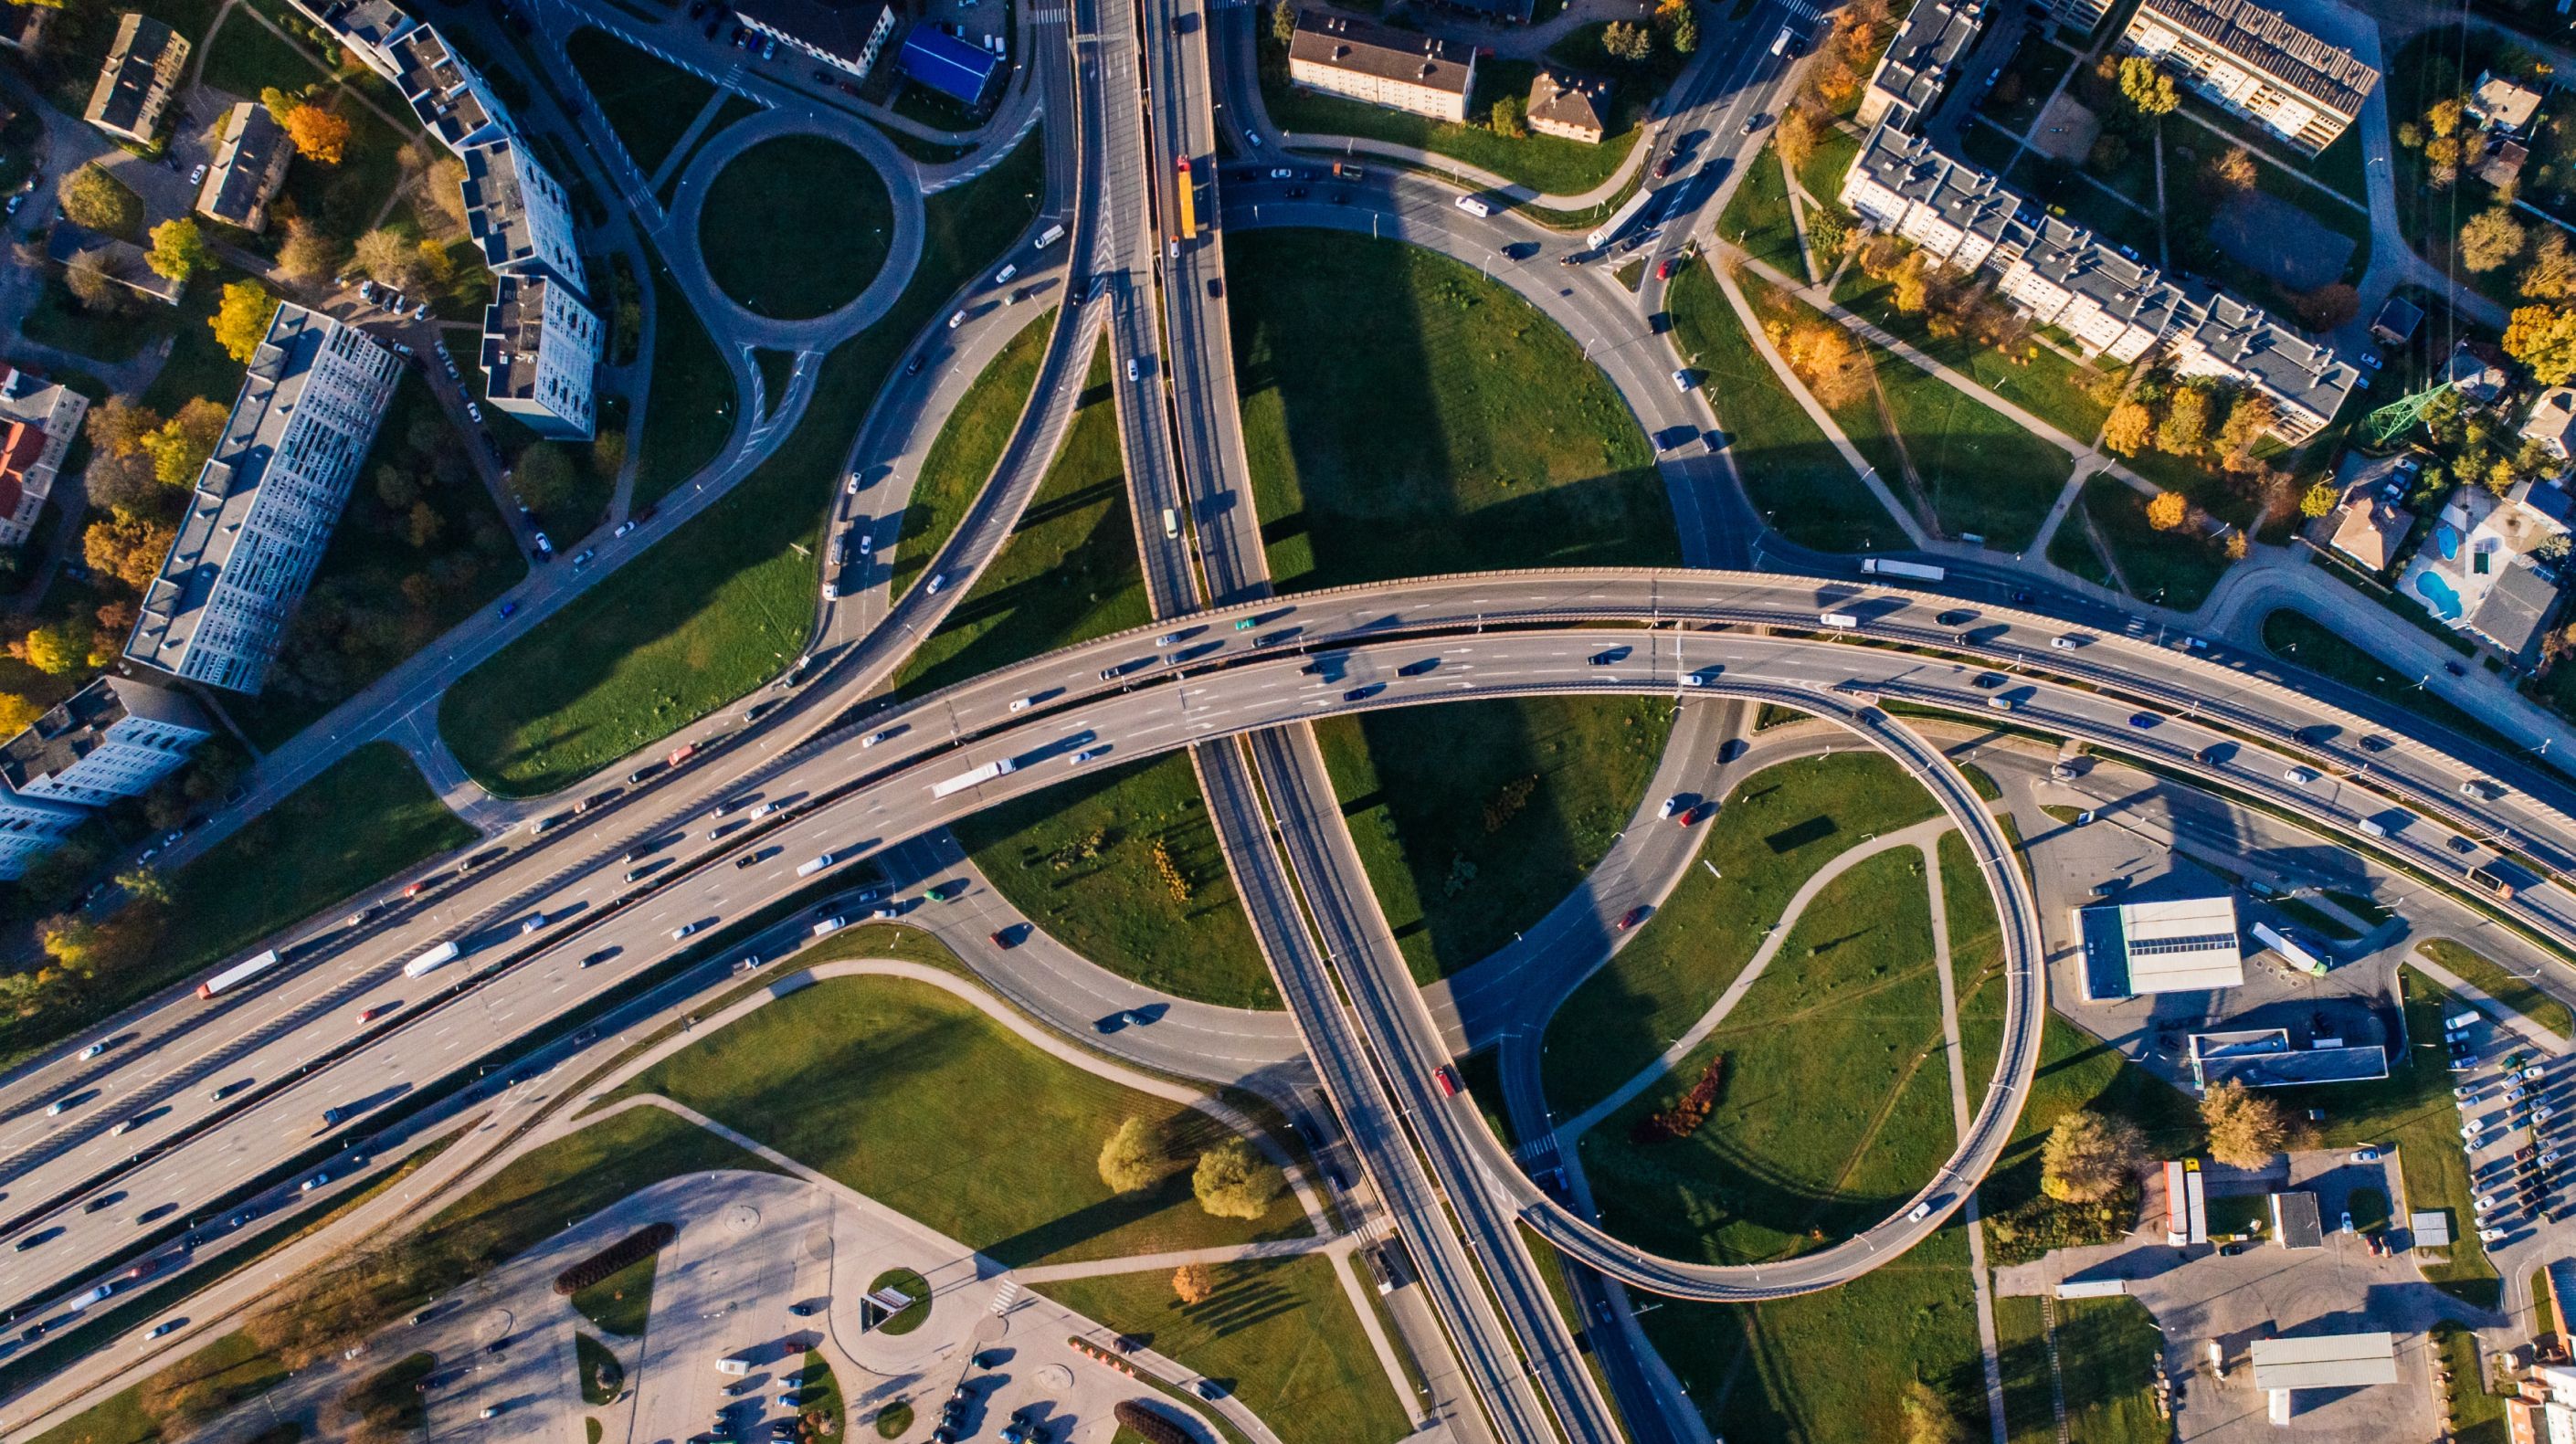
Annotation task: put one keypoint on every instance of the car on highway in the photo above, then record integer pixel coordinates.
(1670, 806)
(1629, 919)
(682, 931)
(2298, 777)
(93, 1050)
(370, 1014)
(1089, 754)
(2144, 720)
(1447, 1078)
(165, 1327)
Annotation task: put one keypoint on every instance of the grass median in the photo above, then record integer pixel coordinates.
(2523, 995)
(689, 397)
(2302, 640)
(961, 460)
(1771, 834)
(796, 227)
(917, 1098)
(226, 1372)
(647, 100)
(1279, 1335)
(2106, 1357)
(722, 604)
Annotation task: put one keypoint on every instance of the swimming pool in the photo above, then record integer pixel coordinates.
(2438, 595)
(2449, 541)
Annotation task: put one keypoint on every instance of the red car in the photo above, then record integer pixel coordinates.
(1664, 167)
(414, 889)
(1004, 939)
(369, 1015)
(1447, 1078)
(1664, 269)
(1631, 918)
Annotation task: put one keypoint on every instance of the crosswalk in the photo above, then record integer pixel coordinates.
(1005, 1296)
(1803, 9)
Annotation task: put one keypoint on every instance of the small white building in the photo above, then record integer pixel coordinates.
(2170, 945)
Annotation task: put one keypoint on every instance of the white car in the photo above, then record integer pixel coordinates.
(2489, 1235)
(623, 528)
(2465, 1092)
(2487, 1203)
(1003, 276)
(937, 580)
(2549, 1158)
(92, 1051)
(831, 591)
(2365, 1155)
(2298, 777)
(1681, 381)
(2516, 1095)
(2543, 1114)
(197, 176)
(956, 319)
(2534, 1071)
(872, 739)
(473, 412)
(1671, 806)
(1020, 704)
(852, 489)
(1919, 1212)
(682, 931)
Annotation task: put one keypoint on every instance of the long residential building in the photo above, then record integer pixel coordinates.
(366, 29)
(114, 738)
(520, 216)
(2062, 275)
(2254, 62)
(1380, 65)
(249, 166)
(540, 348)
(38, 421)
(453, 100)
(143, 69)
(264, 507)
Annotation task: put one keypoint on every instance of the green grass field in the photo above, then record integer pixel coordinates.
(245, 56)
(602, 1377)
(721, 605)
(621, 1302)
(893, 1088)
(1280, 1335)
(689, 397)
(1466, 432)
(1757, 216)
(961, 460)
(1794, 477)
(1079, 859)
(2076, 1070)
(1836, 1099)
(795, 227)
(2107, 1351)
(1068, 573)
(2176, 569)
(648, 101)
(1473, 819)
(2301, 640)
(2039, 380)
(232, 1364)
(1831, 1367)
(2519, 993)
(1772, 834)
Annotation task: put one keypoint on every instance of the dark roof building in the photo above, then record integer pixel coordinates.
(22, 27)
(2256, 63)
(113, 738)
(1928, 48)
(1380, 65)
(2517, 608)
(143, 68)
(1572, 107)
(2397, 321)
(249, 165)
(845, 37)
(2295, 1222)
(947, 64)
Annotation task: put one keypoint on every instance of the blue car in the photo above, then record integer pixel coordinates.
(507, 608)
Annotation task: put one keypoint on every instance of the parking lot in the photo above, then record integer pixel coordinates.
(2513, 1127)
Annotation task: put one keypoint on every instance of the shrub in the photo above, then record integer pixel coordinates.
(1688, 1112)
(1150, 1423)
(641, 1244)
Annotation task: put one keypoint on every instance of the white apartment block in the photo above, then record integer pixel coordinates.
(264, 507)
(366, 29)
(2061, 275)
(453, 100)
(113, 738)
(541, 348)
(1375, 64)
(38, 420)
(1927, 50)
(2254, 62)
(519, 214)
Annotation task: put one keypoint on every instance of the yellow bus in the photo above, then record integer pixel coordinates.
(1189, 203)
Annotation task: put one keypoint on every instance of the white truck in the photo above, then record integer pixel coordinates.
(1891, 567)
(975, 778)
(1839, 621)
(433, 960)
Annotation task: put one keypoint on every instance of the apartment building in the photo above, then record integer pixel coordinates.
(264, 507)
(541, 348)
(453, 100)
(845, 37)
(249, 166)
(38, 421)
(2255, 63)
(1930, 44)
(520, 215)
(143, 69)
(1378, 65)
(113, 738)
(1570, 107)
(2081, 14)
(366, 29)
(30, 827)
(2060, 274)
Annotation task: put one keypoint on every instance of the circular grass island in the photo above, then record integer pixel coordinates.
(894, 1419)
(796, 227)
(915, 1287)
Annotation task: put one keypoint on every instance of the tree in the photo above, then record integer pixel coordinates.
(2245, 1128)
(58, 648)
(127, 547)
(179, 250)
(446, 182)
(122, 483)
(93, 198)
(2551, 273)
(1796, 136)
(319, 135)
(1232, 1181)
(389, 258)
(1823, 356)
(307, 255)
(1129, 1161)
(180, 447)
(2320, 499)
(280, 104)
(2249, 420)
(2328, 307)
(2544, 339)
(2234, 170)
(1627, 42)
(242, 319)
(2185, 428)
(545, 478)
(2110, 152)
(2128, 427)
(608, 455)
(1928, 1417)
(118, 425)
(1510, 118)
(2491, 240)
(1193, 1283)
(1913, 285)
(2443, 117)
(144, 884)
(70, 940)
(87, 277)
(16, 714)
(1685, 34)
(2167, 510)
(2148, 88)
(2088, 1156)
(1283, 23)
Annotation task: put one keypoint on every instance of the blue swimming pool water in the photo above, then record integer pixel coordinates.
(2449, 541)
(2438, 594)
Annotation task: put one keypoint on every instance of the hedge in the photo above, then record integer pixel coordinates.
(641, 1244)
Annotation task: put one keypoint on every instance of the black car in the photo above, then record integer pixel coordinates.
(1296, 193)
(913, 366)
(746, 860)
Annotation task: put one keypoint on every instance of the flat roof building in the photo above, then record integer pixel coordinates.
(1929, 46)
(113, 738)
(38, 421)
(845, 37)
(520, 215)
(960, 71)
(249, 166)
(2175, 945)
(1380, 65)
(541, 349)
(366, 29)
(143, 69)
(2501, 104)
(2263, 1058)
(453, 100)
(1570, 107)
(2295, 1221)
(2325, 1361)
(31, 827)
(264, 506)
(2254, 62)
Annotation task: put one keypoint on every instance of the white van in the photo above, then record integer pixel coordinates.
(828, 925)
(1780, 42)
(1474, 207)
(811, 866)
(1050, 236)
(2372, 827)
